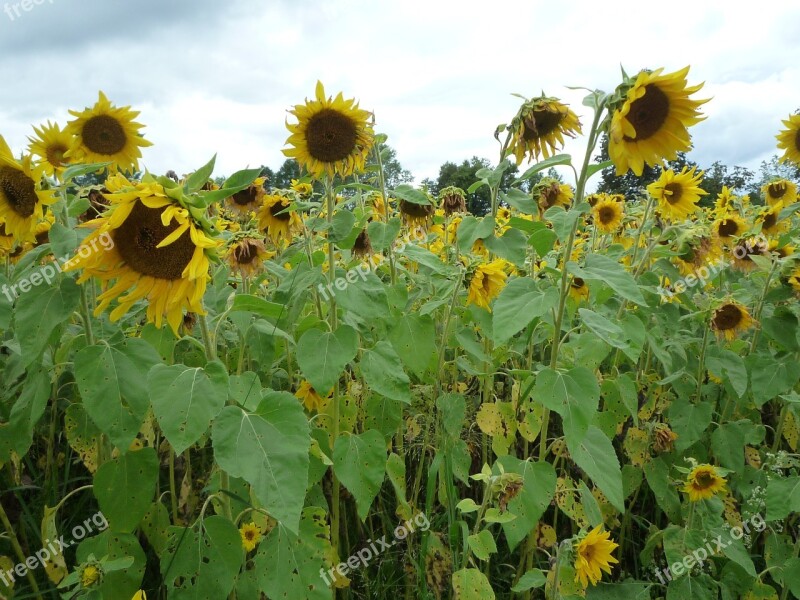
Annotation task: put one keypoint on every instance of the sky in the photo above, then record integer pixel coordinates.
(218, 76)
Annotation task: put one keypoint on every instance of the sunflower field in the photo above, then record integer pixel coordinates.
(219, 389)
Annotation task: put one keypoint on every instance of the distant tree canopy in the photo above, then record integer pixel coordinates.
(464, 175)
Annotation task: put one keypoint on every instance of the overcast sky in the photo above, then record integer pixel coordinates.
(219, 75)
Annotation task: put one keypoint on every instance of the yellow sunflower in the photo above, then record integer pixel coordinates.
(729, 227)
(677, 195)
(331, 135)
(724, 202)
(780, 250)
(90, 575)
(152, 248)
(746, 249)
(578, 289)
(550, 192)
(780, 192)
(540, 126)
(50, 145)
(487, 282)
(730, 319)
(770, 221)
(652, 123)
(251, 535)
(247, 200)
(607, 215)
(311, 398)
(246, 255)
(416, 215)
(303, 189)
(279, 223)
(789, 140)
(106, 133)
(703, 482)
(593, 555)
(794, 280)
(21, 195)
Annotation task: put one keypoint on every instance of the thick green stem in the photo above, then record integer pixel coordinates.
(87, 317)
(12, 536)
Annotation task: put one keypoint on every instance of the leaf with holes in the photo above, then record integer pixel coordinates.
(124, 488)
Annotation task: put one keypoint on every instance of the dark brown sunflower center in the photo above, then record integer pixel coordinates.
(246, 197)
(648, 113)
(250, 535)
(578, 283)
(673, 192)
(20, 190)
(137, 238)
(411, 209)
(550, 196)
(103, 134)
(727, 317)
(331, 136)
(607, 215)
(776, 190)
(797, 140)
(245, 252)
(770, 219)
(55, 154)
(728, 228)
(704, 480)
(540, 123)
(276, 211)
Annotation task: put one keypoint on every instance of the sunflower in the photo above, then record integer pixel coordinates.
(770, 220)
(724, 202)
(780, 250)
(746, 249)
(652, 123)
(363, 245)
(794, 280)
(90, 575)
(729, 227)
(730, 319)
(157, 252)
(487, 282)
(140, 595)
(251, 535)
(21, 195)
(278, 222)
(540, 126)
(453, 200)
(331, 135)
(677, 195)
(607, 215)
(550, 192)
(311, 398)
(416, 215)
(789, 140)
(247, 200)
(578, 289)
(779, 193)
(593, 555)
(704, 482)
(246, 255)
(50, 145)
(106, 133)
(303, 189)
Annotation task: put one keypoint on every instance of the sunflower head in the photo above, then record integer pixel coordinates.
(578, 289)
(651, 119)
(303, 189)
(794, 280)
(106, 133)
(452, 200)
(539, 128)
(593, 556)
(50, 146)
(90, 575)
(310, 398)
(247, 200)
(730, 319)
(362, 246)
(744, 251)
(703, 482)
(607, 215)
(550, 192)
(789, 140)
(276, 219)
(332, 135)
(416, 215)
(246, 255)
(487, 282)
(780, 192)
(251, 535)
(729, 227)
(769, 218)
(677, 194)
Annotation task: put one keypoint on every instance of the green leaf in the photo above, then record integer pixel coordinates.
(114, 547)
(611, 273)
(471, 229)
(727, 442)
(201, 563)
(543, 239)
(553, 161)
(63, 240)
(783, 497)
(471, 584)
(268, 448)
(482, 544)
(657, 473)
(696, 588)
(520, 200)
(291, 565)
(729, 366)
(619, 591)
(359, 462)
(771, 377)
(573, 394)
(258, 306)
(240, 180)
(384, 373)
(534, 578)
(125, 487)
(689, 421)
(538, 489)
(365, 295)
(16, 436)
(200, 177)
(562, 220)
(322, 356)
(342, 224)
(453, 412)
(74, 171)
(186, 399)
(396, 472)
(519, 303)
(426, 258)
(595, 454)
(590, 505)
(512, 246)
(381, 235)
(413, 338)
(409, 194)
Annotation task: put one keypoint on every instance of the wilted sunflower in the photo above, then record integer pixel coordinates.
(416, 215)
(249, 199)
(677, 195)
(106, 133)
(652, 123)
(578, 289)
(729, 227)
(703, 482)
(158, 253)
(789, 140)
(50, 145)
(746, 249)
(246, 255)
(540, 126)
(311, 398)
(331, 135)
(278, 222)
(730, 319)
(452, 200)
(362, 246)
(21, 195)
(550, 192)
(780, 192)
(487, 282)
(251, 535)
(593, 555)
(607, 215)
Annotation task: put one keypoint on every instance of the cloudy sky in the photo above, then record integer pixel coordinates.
(219, 75)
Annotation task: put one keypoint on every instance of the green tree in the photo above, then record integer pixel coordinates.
(715, 177)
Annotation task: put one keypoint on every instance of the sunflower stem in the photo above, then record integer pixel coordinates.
(172, 486)
(702, 364)
(87, 322)
(18, 550)
(760, 306)
(211, 353)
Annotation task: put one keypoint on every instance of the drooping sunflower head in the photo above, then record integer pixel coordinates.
(729, 227)
(593, 556)
(332, 135)
(677, 194)
(744, 251)
(249, 199)
(276, 219)
(246, 255)
(607, 215)
(362, 246)
(550, 192)
(106, 133)
(539, 128)
(153, 249)
(452, 200)
(251, 535)
(789, 140)
(487, 282)
(378, 205)
(49, 146)
(703, 482)
(780, 192)
(22, 195)
(730, 319)
(310, 398)
(416, 215)
(652, 121)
